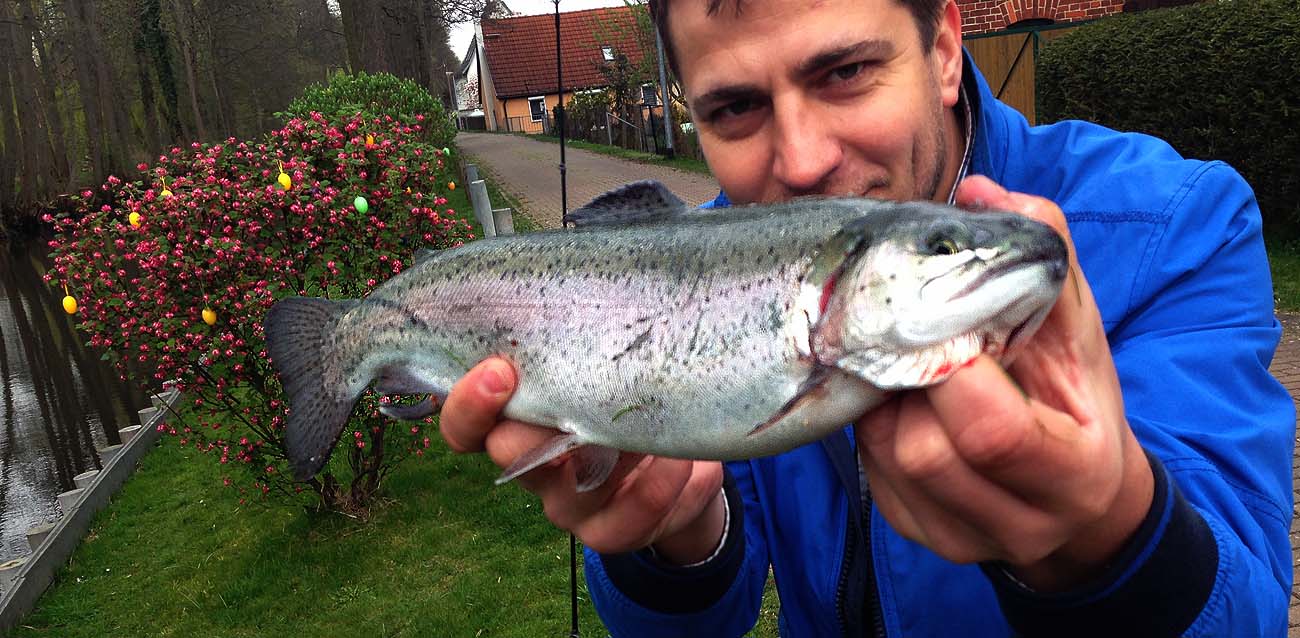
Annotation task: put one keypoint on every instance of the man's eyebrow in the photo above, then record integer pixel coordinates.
(727, 94)
(833, 57)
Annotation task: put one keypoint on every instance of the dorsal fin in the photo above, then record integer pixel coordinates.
(636, 203)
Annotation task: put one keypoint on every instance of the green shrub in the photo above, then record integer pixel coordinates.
(376, 96)
(1217, 80)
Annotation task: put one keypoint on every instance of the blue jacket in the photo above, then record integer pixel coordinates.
(1173, 251)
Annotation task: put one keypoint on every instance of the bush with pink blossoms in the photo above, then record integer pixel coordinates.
(174, 269)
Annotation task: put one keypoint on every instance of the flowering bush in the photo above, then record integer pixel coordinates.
(378, 95)
(174, 271)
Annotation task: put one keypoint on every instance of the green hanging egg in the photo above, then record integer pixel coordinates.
(361, 204)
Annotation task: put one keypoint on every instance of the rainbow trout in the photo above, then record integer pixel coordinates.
(652, 327)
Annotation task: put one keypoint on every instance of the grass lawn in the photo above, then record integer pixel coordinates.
(446, 554)
(1284, 259)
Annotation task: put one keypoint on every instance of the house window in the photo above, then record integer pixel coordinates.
(648, 95)
(608, 52)
(537, 108)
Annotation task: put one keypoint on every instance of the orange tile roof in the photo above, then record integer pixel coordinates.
(521, 50)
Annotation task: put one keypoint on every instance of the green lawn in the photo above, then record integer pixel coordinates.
(1284, 259)
(445, 554)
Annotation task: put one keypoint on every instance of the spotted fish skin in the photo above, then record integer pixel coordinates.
(684, 334)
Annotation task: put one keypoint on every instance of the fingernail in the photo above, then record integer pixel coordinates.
(495, 382)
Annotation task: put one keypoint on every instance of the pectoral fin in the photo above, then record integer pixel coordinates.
(810, 389)
(592, 463)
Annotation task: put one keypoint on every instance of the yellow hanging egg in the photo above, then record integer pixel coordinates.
(134, 218)
(284, 180)
(165, 193)
(70, 305)
(209, 317)
(451, 186)
(370, 140)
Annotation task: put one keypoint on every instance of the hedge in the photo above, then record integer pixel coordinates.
(1217, 80)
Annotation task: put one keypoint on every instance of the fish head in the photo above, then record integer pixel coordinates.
(928, 288)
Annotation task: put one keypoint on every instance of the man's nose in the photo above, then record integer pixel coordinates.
(807, 150)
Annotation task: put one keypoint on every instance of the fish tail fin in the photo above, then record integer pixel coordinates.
(298, 331)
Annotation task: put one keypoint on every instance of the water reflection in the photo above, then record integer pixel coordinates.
(58, 401)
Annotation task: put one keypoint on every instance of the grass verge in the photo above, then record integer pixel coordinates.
(1284, 260)
(447, 554)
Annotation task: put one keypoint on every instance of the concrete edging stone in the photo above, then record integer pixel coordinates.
(40, 567)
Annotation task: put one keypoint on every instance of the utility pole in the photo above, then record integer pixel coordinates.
(666, 100)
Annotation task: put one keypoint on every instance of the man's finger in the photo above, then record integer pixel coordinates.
(475, 403)
(1042, 454)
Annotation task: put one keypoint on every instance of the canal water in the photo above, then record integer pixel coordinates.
(59, 402)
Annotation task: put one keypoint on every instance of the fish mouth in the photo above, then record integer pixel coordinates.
(1054, 265)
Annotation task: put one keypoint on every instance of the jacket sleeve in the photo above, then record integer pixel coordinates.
(1213, 557)
(637, 595)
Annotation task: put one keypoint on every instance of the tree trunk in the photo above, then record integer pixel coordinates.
(83, 62)
(117, 125)
(34, 176)
(222, 107)
(159, 50)
(141, 45)
(53, 117)
(185, 35)
(9, 143)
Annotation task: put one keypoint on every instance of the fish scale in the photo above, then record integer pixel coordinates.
(662, 330)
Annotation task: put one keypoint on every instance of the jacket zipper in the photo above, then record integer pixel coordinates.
(850, 548)
(873, 593)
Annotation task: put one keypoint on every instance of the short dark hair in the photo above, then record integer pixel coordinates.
(924, 12)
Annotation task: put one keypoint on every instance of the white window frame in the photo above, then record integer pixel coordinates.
(652, 94)
(533, 115)
(607, 53)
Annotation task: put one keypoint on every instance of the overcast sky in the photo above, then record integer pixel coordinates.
(461, 34)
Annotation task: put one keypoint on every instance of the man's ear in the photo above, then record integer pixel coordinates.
(946, 54)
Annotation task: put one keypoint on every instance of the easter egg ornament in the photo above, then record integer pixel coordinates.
(166, 192)
(209, 316)
(283, 179)
(370, 141)
(69, 302)
(361, 205)
(446, 151)
(451, 186)
(134, 218)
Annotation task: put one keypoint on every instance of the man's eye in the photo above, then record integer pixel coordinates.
(847, 71)
(734, 109)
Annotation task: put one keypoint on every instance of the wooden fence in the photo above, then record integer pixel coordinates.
(1008, 59)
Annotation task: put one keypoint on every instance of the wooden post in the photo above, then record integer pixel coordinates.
(503, 220)
(471, 173)
(482, 207)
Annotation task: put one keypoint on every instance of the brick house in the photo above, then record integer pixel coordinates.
(515, 62)
(983, 16)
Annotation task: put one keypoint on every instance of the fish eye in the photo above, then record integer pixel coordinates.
(939, 245)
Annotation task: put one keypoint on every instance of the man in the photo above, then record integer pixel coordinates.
(1129, 474)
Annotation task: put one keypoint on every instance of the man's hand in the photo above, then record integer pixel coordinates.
(1035, 466)
(672, 504)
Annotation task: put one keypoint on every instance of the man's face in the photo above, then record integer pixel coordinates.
(830, 97)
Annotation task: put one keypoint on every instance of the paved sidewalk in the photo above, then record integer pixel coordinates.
(529, 170)
(1286, 367)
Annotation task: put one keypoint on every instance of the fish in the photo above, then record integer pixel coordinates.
(651, 326)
